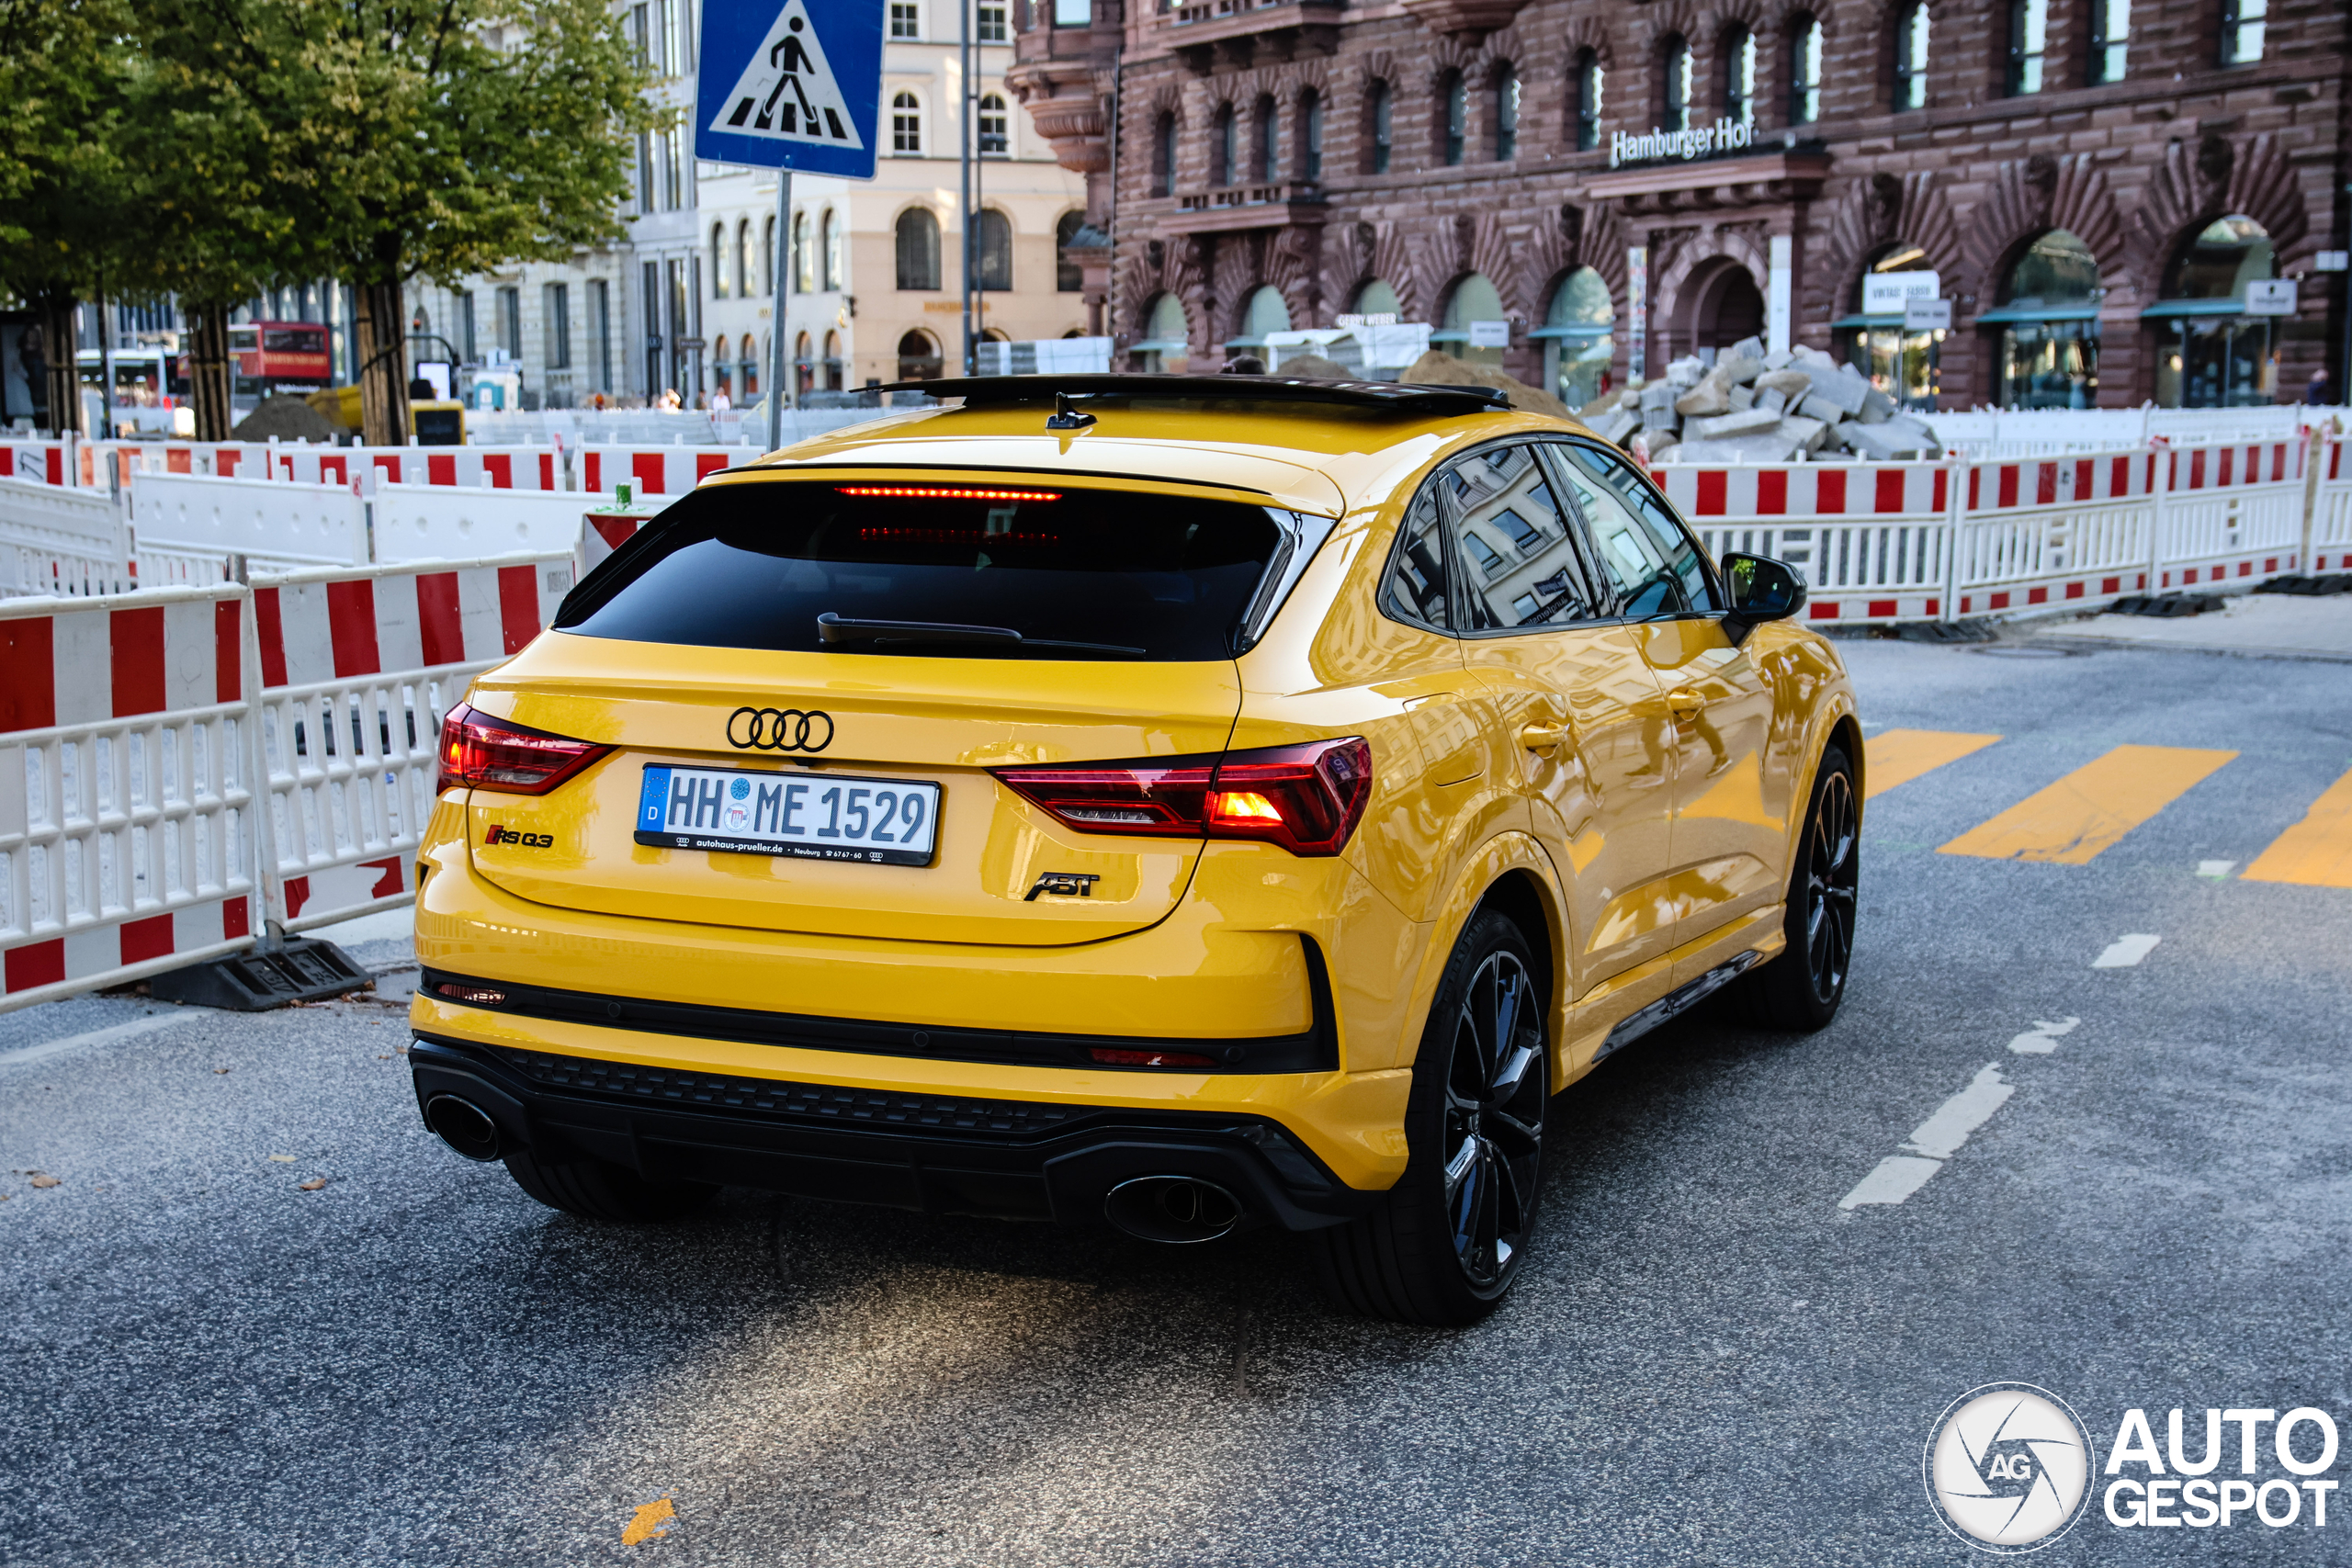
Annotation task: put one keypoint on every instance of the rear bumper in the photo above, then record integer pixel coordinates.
(933, 1152)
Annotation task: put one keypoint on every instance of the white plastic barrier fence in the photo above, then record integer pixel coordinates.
(413, 523)
(58, 540)
(2331, 511)
(187, 526)
(126, 843)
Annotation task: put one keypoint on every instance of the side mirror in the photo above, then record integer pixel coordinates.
(1761, 589)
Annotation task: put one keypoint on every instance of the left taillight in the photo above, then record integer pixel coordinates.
(1306, 799)
(482, 753)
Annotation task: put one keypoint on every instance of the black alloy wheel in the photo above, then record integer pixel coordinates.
(1800, 988)
(1494, 1119)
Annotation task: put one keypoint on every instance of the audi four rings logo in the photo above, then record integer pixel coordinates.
(779, 730)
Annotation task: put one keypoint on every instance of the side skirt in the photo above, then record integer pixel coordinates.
(1674, 1002)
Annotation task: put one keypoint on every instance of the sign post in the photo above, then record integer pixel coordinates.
(778, 92)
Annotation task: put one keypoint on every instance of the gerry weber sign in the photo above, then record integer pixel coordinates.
(1723, 136)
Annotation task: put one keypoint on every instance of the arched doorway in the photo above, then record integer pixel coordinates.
(1472, 311)
(2047, 311)
(2209, 353)
(1167, 339)
(1267, 311)
(1579, 337)
(919, 358)
(1725, 306)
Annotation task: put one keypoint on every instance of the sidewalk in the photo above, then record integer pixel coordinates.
(2261, 626)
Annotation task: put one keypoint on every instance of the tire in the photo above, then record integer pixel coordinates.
(1800, 990)
(1446, 1244)
(597, 1190)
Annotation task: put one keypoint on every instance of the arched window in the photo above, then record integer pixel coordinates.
(1310, 136)
(767, 256)
(1163, 156)
(747, 368)
(1740, 76)
(2242, 29)
(2110, 40)
(745, 285)
(1578, 338)
(1453, 100)
(1266, 313)
(830, 239)
(1897, 361)
(804, 364)
(995, 127)
(1591, 81)
(918, 358)
(1473, 299)
(804, 256)
(906, 126)
(2028, 39)
(992, 232)
(1911, 56)
(1167, 339)
(1506, 113)
(2209, 356)
(1805, 69)
(1677, 68)
(1270, 141)
(832, 362)
(2048, 313)
(718, 280)
(722, 374)
(1068, 277)
(1224, 159)
(918, 249)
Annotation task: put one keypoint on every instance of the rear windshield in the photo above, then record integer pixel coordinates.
(933, 571)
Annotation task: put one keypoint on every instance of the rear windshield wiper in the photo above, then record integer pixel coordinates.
(837, 629)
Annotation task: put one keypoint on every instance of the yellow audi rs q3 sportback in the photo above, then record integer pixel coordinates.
(1179, 801)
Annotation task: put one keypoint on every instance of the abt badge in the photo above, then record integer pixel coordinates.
(500, 834)
(1064, 885)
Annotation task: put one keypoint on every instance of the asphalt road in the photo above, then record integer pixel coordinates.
(1708, 1360)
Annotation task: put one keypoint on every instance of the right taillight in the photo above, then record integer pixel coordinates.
(482, 753)
(1306, 798)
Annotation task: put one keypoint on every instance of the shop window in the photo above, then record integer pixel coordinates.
(1067, 279)
(1163, 156)
(1911, 56)
(1270, 142)
(1310, 136)
(992, 235)
(1590, 82)
(1225, 154)
(1904, 365)
(1506, 115)
(804, 362)
(917, 356)
(1167, 337)
(832, 362)
(1266, 313)
(918, 249)
(2029, 40)
(1578, 337)
(1678, 67)
(1804, 70)
(2242, 28)
(1474, 299)
(1740, 76)
(2047, 316)
(2209, 353)
(1454, 95)
(2110, 40)
(1382, 126)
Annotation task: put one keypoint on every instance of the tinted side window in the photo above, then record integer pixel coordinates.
(1514, 547)
(1652, 562)
(1414, 589)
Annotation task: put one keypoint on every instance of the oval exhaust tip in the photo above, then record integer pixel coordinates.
(463, 1125)
(1173, 1209)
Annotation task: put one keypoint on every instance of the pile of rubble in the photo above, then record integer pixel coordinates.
(1754, 407)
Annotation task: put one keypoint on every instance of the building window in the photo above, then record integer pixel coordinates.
(600, 331)
(1310, 136)
(1270, 142)
(906, 125)
(1578, 337)
(996, 136)
(1455, 97)
(1680, 67)
(1740, 76)
(719, 260)
(1222, 148)
(641, 34)
(992, 235)
(829, 230)
(722, 375)
(645, 173)
(2209, 356)
(1590, 82)
(744, 286)
(2028, 38)
(1506, 115)
(992, 22)
(767, 255)
(918, 249)
(1073, 12)
(2048, 313)
(1067, 279)
(468, 342)
(1163, 156)
(510, 322)
(804, 256)
(555, 324)
(673, 179)
(1911, 57)
(1381, 128)
(832, 362)
(1804, 70)
(2110, 36)
(2242, 23)
(905, 22)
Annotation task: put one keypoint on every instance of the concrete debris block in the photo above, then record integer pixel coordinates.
(1608, 402)
(1746, 423)
(1806, 354)
(1685, 372)
(1790, 384)
(1832, 443)
(1848, 368)
(1760, 448)
(1748, 348)
(1658, 395)
(1877, 407)
(1768, 398)
(1814, 405)
(1742, 397)
(1807, 433)
(1615, 426)
(1710, 396)
(1662, 444)
(1660, 419)
(1919, 429)
(1877, 443)
(1738, 369)
(1837, 387)
(1779, 359)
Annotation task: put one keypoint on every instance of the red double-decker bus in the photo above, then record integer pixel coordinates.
(277, 356)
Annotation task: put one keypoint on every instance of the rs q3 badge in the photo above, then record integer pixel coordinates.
(779, 730)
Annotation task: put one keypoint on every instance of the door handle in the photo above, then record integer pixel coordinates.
(1684, 701)
(1544, 737)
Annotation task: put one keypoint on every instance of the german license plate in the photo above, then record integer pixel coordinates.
(807, 815)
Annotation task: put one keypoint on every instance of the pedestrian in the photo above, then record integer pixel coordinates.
(720, 402)
(2320, 393)
(1245, 365)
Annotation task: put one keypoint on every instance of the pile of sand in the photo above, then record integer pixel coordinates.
(289, 418)
(1436, 369)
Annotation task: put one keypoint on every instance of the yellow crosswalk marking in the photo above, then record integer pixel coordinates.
(1897, 756)
(2091, 807)
(2315, 852)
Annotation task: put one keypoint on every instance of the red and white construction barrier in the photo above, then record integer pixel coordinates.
(655, 470)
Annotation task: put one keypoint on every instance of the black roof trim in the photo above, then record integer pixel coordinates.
(1391, 396)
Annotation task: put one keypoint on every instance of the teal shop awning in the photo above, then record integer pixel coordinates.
(1161, 346)
(2234, 306)
(2030, 314)
(1586, 331)
(1883, 322)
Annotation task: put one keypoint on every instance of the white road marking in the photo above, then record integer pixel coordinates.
(2125, 952)
(2217, 869)
(1896, 1178)
(146, 1025)
(2042, 1038)
(1941, 1136)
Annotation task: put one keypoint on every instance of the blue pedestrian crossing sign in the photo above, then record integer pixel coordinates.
(779, 89)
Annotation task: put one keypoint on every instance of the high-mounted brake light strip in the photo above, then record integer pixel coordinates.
(930, 493)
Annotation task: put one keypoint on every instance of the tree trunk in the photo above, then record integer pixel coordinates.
(383, 365)
(61, 354)
(211, 372)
